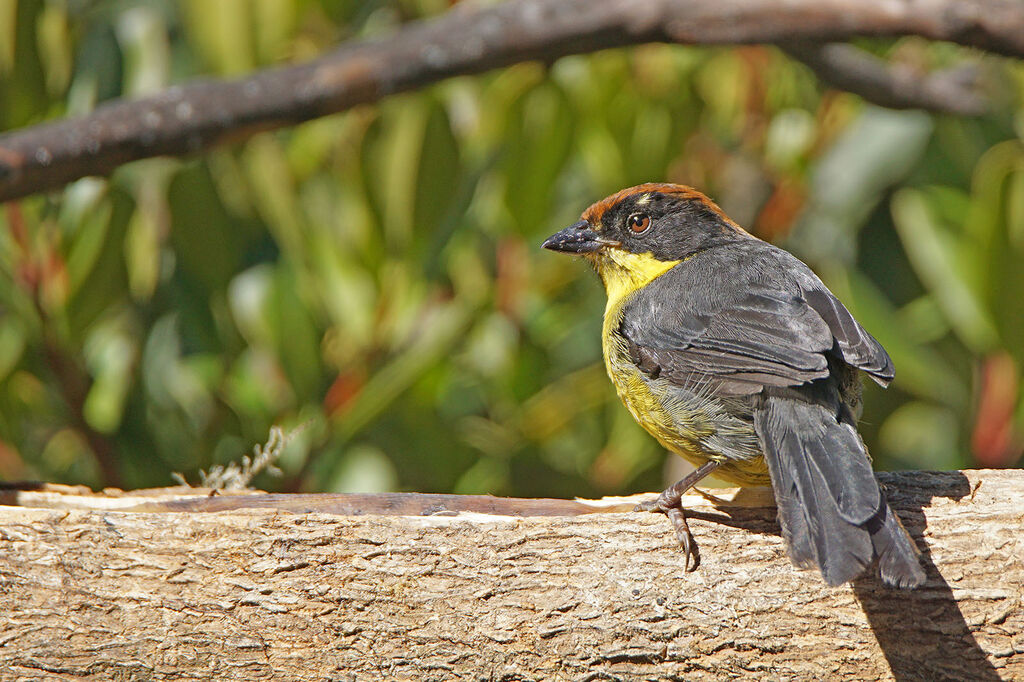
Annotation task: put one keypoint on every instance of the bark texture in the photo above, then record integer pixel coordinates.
(91, 590)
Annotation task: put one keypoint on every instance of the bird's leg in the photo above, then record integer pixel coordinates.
(669, 502)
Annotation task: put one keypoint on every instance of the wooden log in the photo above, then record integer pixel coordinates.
(92, 590)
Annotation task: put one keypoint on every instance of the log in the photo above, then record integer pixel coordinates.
(161, 585)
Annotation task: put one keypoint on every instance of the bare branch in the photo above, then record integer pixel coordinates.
(467, 40)
(954, 91)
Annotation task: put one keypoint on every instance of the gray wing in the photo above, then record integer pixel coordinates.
(741, 317)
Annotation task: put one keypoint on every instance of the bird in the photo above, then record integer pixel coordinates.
(733, 354)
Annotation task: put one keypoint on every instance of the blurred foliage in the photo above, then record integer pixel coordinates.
(375, 276)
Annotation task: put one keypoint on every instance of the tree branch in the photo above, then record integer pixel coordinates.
(90, 590)
(467, 40)
(845, 67)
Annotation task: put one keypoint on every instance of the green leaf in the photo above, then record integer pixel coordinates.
(205, 239)
(439, 333)
(390, 162)
(274, 23)
(110, 354)
(275, 194)
(873, 153)
(537, 145)
(54, 47)
(363, 469)
(142, 34)
(439, 168)
(995, 227)
(222, 32)
(923, 435)
(939, 262)
(12, 345)
(96, 268)
(142, 254)
(248, 301)
(348, 293)
(297, 339)
(23, 95)
(8, 34)
(487, 476)
(920, 369)
(85, 216)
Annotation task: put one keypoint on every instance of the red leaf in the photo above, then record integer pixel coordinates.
(994, 440)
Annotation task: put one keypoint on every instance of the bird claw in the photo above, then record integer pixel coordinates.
(691, 551)
(670, 503)
(665, 504)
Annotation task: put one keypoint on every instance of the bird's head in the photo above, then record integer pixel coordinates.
(641, 232)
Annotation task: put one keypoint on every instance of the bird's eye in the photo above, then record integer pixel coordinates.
(638, 222)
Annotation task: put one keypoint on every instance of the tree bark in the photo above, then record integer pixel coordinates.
(92, 590)
(196, 116)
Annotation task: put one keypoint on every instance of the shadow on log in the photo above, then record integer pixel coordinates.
(176, 584)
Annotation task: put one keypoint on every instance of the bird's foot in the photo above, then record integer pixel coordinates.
(669, 502)
(664, 504)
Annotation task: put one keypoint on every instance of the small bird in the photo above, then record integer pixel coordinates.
(733, 354)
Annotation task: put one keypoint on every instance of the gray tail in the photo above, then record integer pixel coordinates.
(832, 513)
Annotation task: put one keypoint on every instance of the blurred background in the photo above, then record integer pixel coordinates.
(372, 282)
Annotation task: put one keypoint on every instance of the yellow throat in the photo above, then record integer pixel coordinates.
(623, 273)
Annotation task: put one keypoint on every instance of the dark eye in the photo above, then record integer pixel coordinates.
(638, 222)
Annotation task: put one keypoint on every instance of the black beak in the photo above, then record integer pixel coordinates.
(577, 238)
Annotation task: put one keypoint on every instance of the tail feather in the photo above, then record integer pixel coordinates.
(840, 549)
(795, 532)
(897, 556)
(831, 510)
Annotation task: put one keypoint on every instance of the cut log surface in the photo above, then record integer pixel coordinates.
(162, 585)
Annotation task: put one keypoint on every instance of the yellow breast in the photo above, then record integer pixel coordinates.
(636, 394)
(624, 274)
(681, 432)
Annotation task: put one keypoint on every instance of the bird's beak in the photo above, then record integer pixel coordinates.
(577, 238)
